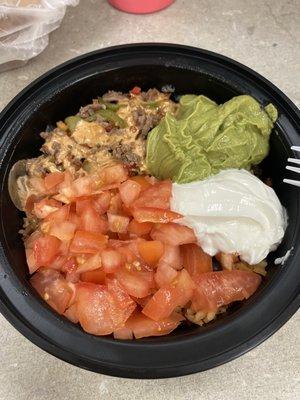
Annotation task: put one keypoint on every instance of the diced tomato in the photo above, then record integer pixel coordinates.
(155, 215)
(45, 207)
(156, 196)
(129, 192)
(114, 174)
(116, 206)
(53, 179)
(83, 186)
(91, 263)
(29, 205)
(70, 265)
(117, 223)
(164, 275)
(91, 221)
(96, 276)
(172, 257)
(142, 180)
(142, 326)
(173, 234)
(111, 260)
(62, 214)
(75, 220)
(83, 203)
(45, 249)
(151, 251)
(110, 304)
(195, 261)
(87, 242)
(31, 262)
(123, 334)
(63, 230)
(167, 298)
(71, 314)
(53, 288)
(72, 277)
(139, 228)
(216, 289)
(136, 90)
(102, 202)
(134, 282)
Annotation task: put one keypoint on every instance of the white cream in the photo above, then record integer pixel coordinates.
(232, 212)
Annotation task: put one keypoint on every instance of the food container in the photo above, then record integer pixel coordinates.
(140, 6)
(189, 349)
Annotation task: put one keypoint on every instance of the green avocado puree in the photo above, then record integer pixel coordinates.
(205, 138)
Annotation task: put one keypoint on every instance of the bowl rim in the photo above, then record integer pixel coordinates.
(62, 351)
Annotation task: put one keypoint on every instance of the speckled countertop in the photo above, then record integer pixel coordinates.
(264, 35)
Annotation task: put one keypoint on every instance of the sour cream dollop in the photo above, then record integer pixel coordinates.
(232, 212)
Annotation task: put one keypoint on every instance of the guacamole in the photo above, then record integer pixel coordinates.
(205, 138)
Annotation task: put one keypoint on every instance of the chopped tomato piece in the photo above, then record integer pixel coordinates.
(173, 234)
(142, 180)
(111, 260)
(216, 289)
(156, 196)
(63, 230)
(155, 215)
(53, 288)
(195, 261)
(87, 242)
(114, 174)
(96, 276)
(116, 206)
(151, 251)
(135, 283)
(45, 207)
(102, 202)
(136, 90)
(117, 223)
(129, 192)
(123, 333)
(91, 263)
(69, 265)
(172, 257)
(91, 221)
(139, 228)
(53, 179)
(71, 314)
(110, 304)
(164, 275)
(82, 203)
(62, 214)
(45, 249)
(167, 298)
(83, 186)
(31, 262)
(142, 326)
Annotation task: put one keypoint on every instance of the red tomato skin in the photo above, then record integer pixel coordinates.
(45, 249)
(178, 293)
(117, 223)
(173, 234)
(136, 90)
(195, 261)
(219, 288)
(53, 179)
(87, 242)
(154, 215)
(156, 196)
(129, 192)
(53, 288)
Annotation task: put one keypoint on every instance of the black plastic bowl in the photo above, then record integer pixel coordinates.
(189, 349)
